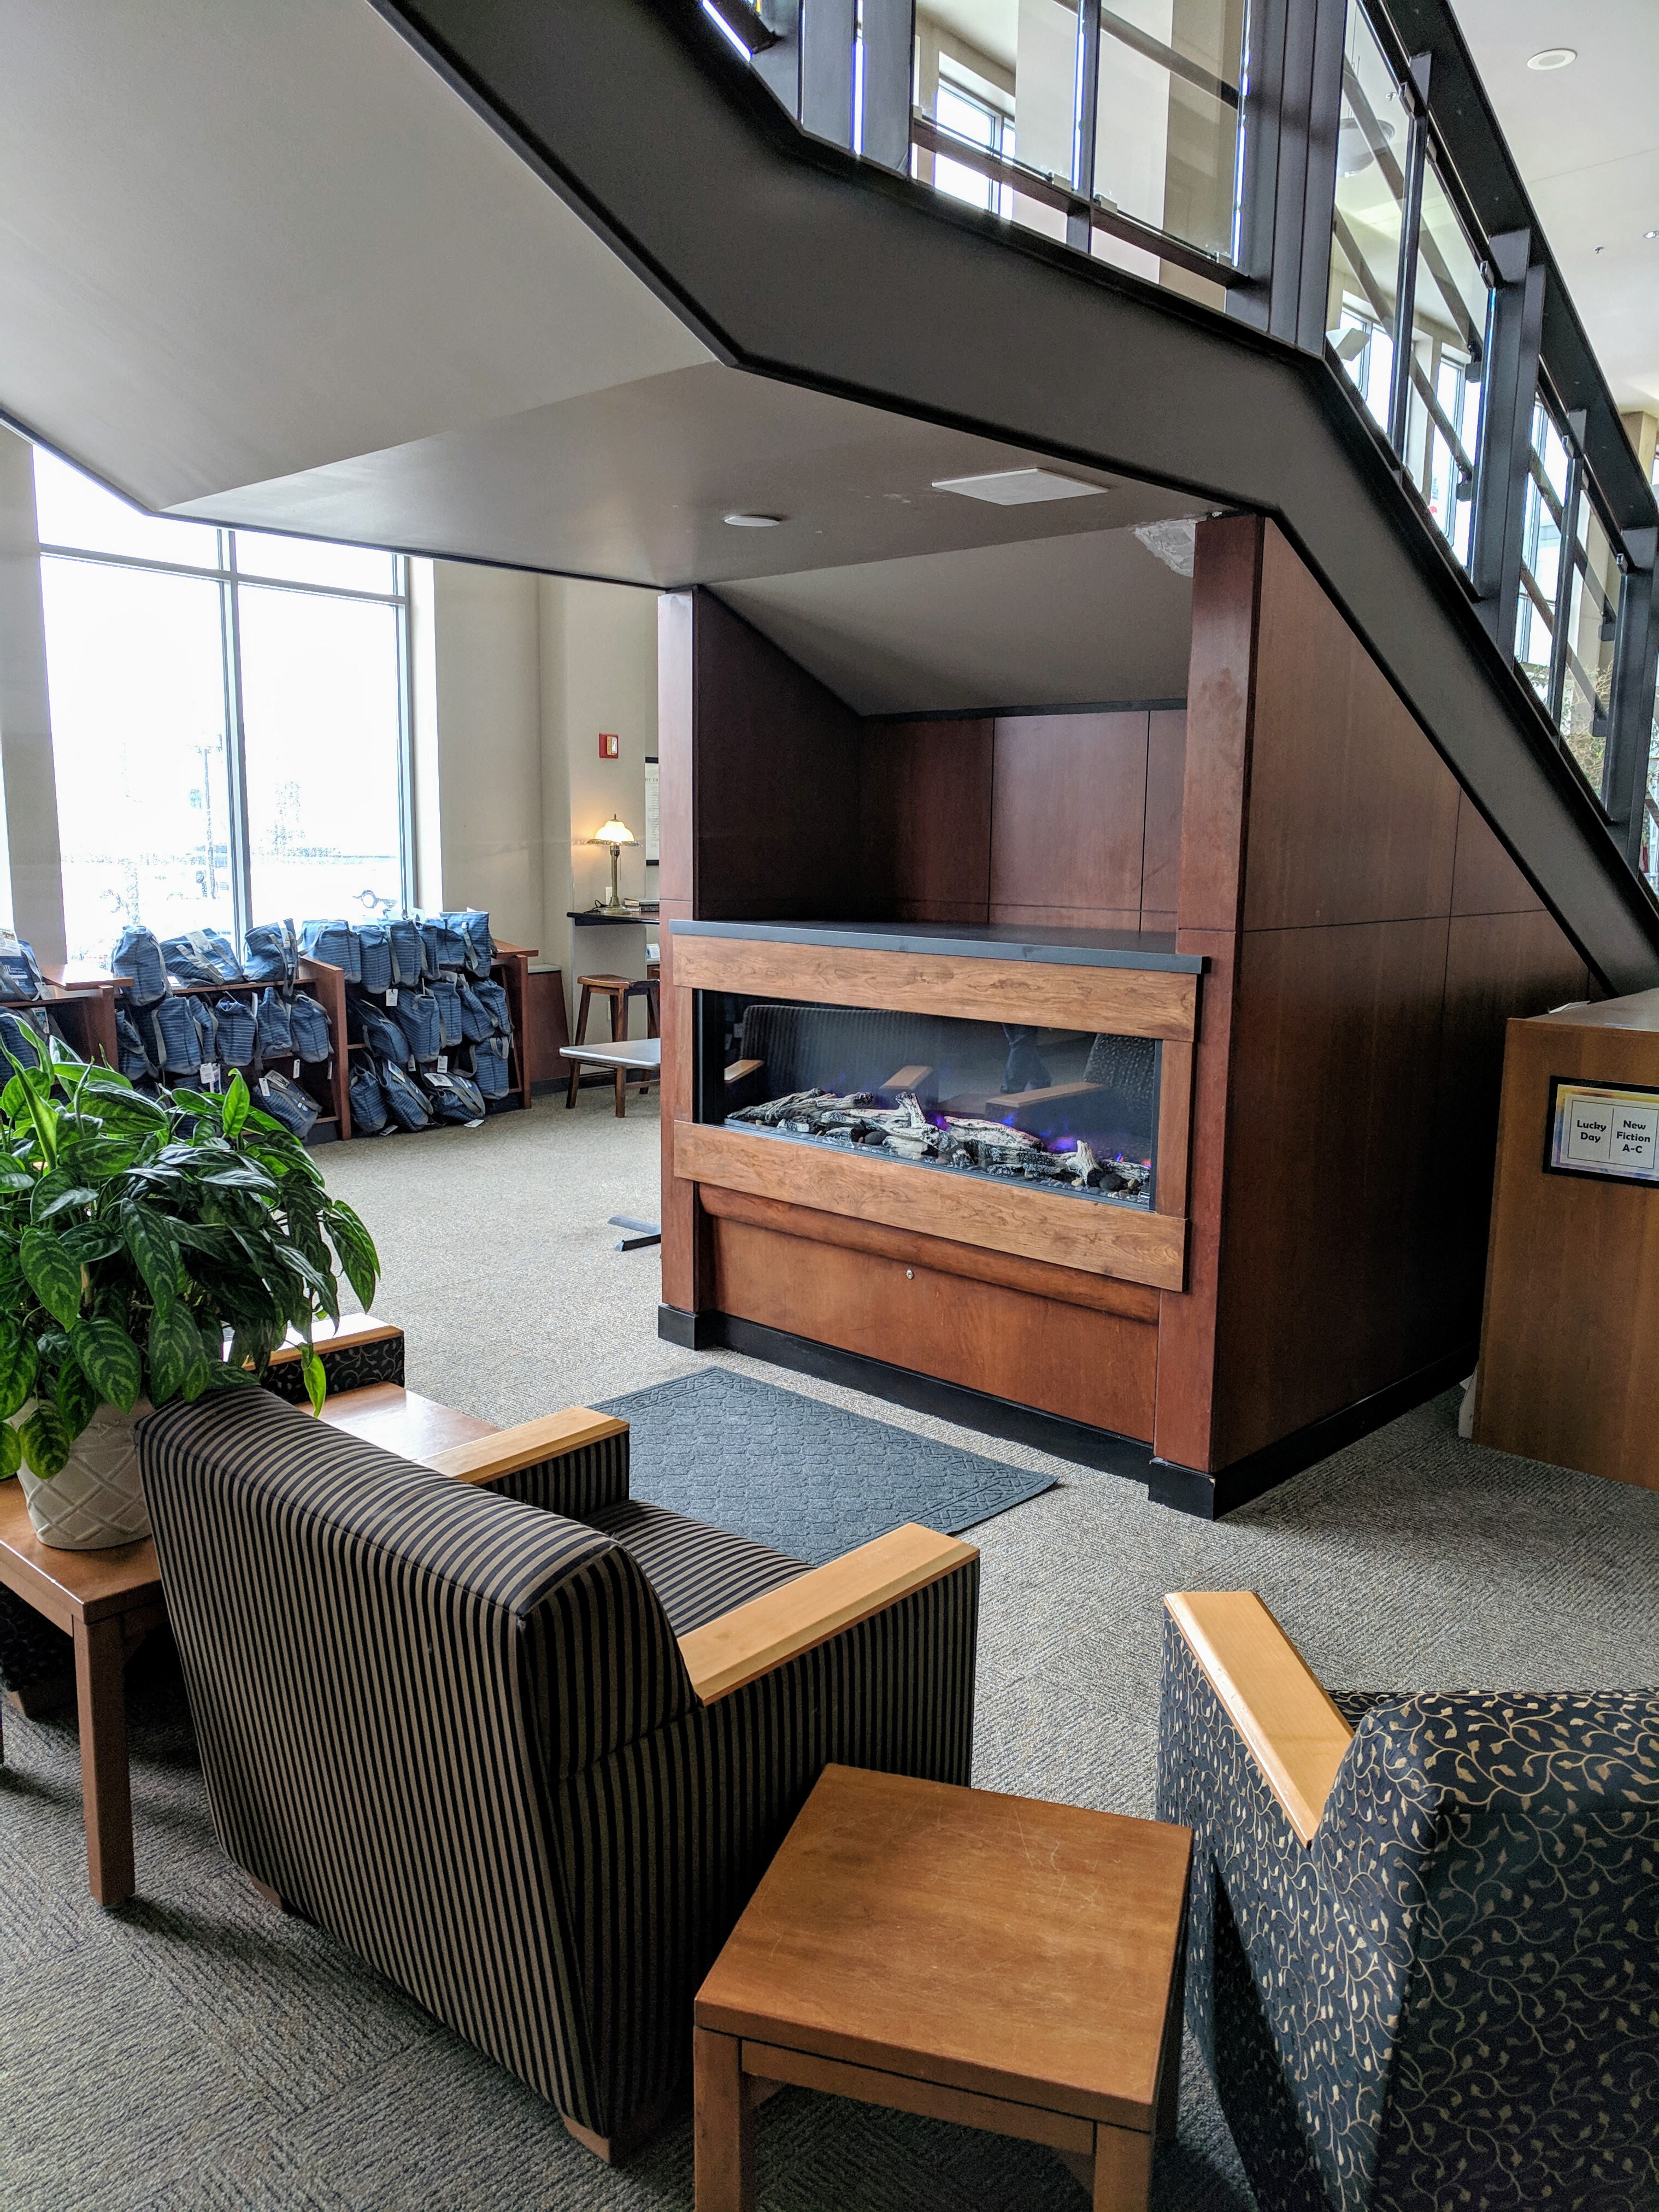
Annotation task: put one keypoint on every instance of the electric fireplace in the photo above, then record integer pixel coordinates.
(1016, 1093)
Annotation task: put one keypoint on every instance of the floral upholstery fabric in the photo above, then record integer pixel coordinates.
(1451, 1997)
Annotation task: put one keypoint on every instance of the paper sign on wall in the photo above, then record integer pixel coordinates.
(1603, 1129)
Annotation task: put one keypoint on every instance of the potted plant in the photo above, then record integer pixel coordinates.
(151, 1248)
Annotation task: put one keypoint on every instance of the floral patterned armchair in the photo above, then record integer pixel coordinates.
(1424, 1948)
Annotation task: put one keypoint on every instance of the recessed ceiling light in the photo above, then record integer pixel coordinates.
(1017, 487)
(752, 521)
(1554, 58)
(1650, 233)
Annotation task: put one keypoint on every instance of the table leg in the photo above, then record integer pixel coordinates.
(622, 1094)
(1123, 2170)
(100, 1691)
(725, 2125)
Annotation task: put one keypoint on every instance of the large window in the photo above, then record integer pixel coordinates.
(230, 715)
(1567, 620)
(1409, 301)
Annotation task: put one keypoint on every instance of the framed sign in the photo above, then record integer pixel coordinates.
(1609, 1130)
(652, 852)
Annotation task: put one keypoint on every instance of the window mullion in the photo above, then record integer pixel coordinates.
(406, 747)
(1405, 290)
(1564, 584)
(237, 841)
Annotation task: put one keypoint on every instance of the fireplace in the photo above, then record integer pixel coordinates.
(1068, 1111)
(1014, 1093)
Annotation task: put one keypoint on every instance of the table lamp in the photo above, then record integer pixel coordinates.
(614, 833)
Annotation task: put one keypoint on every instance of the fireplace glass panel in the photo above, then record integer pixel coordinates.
(1070, 1111)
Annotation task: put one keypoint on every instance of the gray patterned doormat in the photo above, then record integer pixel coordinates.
(807, 1479)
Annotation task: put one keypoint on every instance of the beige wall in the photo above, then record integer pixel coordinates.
(515, 676)
(31, 885)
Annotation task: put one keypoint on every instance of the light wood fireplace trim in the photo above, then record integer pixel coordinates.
(1100, 1238)
(1126, 1001)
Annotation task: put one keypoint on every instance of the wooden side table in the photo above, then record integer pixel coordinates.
(1005, 1964)
(108, 1601)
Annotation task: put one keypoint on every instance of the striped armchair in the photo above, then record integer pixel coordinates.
(1424, 1948)
(525, 1744)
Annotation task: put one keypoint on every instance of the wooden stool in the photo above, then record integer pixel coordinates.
(650, 991)
(614, 987)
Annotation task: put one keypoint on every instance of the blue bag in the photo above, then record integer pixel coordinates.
(20, 1040)
(452, 1097)
(201, 956)
(368, 1023)
(408, 953)
(131, 1053)
(492, 997)
(19, 972)
(452, 1027)
(417, 1017)
(271, 953)
(137, 958)
(489, 1067)
(444, 947)
(275, 1027)
(475, 1022)
(285, 1101)
(181, 1033)
(335, 942)
(368, 1109)
(374, 956)
(405, 1101)
(238, 1032)
(473, 930)
(309, 1024)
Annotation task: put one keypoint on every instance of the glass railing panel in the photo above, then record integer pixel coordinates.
(999, 79)
(1451, 305)
(1588, 644)
(1168, 132)
(1370, 215)
(1548, 466)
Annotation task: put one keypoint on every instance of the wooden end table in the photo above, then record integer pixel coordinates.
(108, 1601)
(1009, 1965)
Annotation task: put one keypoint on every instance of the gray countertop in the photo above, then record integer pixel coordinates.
(1069, 948)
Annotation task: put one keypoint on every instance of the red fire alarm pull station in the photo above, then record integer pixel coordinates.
(610, 745)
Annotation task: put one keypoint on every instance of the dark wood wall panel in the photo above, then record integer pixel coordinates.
(1160, 863)
(1087, 1366)
(925, 820)
(774, 802)
(1499, 967)
(1484, 880)
(1353, 814)
(1069, 812)
(1332, 1235)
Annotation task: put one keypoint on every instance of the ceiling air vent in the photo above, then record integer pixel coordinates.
(1019, 487)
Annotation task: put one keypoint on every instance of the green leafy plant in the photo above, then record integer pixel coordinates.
(138, 1236)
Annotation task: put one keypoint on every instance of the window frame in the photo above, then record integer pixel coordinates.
(228, 577)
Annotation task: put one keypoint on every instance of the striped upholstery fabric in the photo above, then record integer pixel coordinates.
(578, 1483)
(456, 1729)
(697, 1572)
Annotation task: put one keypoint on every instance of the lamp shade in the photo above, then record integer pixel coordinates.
(614, 832)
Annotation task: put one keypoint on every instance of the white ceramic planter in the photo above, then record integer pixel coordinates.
(96, 1499)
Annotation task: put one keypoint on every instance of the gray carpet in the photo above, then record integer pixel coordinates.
(808, 1479)
(197, 2052)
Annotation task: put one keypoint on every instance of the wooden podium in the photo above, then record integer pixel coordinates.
(1567, 1367)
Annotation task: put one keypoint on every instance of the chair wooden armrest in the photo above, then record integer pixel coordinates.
(504, 1451)
(753, 1639)
(1295, 1734)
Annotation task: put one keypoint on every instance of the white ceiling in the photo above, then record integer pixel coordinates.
(1060, 621)
(1586, 140)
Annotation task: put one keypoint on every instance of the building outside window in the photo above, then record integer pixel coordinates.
(230, 719)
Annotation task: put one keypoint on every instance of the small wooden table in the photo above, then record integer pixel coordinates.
(641, 1058)
(108, 1601)
(1003, 1963)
